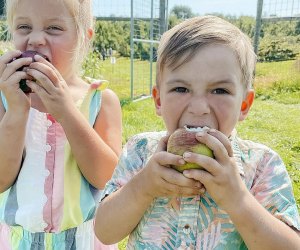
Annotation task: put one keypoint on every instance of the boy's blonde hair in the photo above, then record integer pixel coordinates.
(80, 10)
(179, 44)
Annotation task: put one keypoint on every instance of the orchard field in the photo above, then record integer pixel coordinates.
(274, 119)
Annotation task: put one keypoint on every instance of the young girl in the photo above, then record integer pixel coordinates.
(59, 144)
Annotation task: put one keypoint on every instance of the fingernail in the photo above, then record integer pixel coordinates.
(198, 184)
(199, 134)
(186, 173)
(212, 130)
(186, 155)
(181, 162)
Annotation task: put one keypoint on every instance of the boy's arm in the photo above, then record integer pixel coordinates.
(259, 228)
(120, 212)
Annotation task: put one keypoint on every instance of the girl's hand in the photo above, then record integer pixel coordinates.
(10, 78)
(158, 179)
(221, 178)
(50, 86)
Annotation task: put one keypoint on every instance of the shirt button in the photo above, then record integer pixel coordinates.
(44, 225)
(49, 123)
(186, 229)
(48, 147)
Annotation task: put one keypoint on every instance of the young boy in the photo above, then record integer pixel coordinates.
(243, 198)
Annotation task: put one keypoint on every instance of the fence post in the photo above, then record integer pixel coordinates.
(163, 16)
(1, 8)
(258, 25)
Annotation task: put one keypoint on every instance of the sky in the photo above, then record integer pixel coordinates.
(226, 7)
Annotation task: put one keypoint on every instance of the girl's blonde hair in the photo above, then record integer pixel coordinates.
(179, 44)
(80, 10)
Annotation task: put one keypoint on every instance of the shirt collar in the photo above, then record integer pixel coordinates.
(237, 153)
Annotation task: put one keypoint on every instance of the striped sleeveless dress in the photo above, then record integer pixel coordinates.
(51, 205)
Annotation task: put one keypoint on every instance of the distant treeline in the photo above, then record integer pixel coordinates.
(278, 40)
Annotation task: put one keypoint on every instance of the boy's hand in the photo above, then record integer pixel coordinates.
(157, 179)
(221, 178)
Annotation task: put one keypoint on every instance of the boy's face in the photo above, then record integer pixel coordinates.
(205, 91)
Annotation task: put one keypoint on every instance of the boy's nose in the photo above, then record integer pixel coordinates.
(36, 39)
(198, 106)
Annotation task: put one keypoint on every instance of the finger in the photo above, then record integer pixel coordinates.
(55, 72)
(218, 148)
(202, 176)
(206, 162)
(223, 139)
(162, 144)
(38, 89)
(41, 79)
(174, 177)
(166, 159)
(14, 66)
(175, 190)
(46, 72)
(10, 56)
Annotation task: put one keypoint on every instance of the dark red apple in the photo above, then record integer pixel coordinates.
(27, 53)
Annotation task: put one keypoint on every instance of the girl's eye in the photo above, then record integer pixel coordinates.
(181, 90)
(54, 28)
(220, 91)
(23, 27)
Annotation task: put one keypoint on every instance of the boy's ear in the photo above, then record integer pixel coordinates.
(156, 98)
(90, 33)
(246, 104)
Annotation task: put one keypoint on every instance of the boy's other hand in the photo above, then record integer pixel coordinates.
(221, 176)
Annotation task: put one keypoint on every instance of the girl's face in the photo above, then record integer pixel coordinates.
(46, 26)
(205, 91)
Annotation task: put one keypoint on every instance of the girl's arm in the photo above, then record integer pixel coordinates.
(13, 120)
(96, 150)
(12, 137)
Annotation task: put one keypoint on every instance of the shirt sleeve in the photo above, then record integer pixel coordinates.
(134, 156)
(273, 189)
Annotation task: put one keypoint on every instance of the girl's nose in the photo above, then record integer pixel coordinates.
(36, 39)
(199, 106)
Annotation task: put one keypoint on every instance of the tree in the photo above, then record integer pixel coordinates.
(1, 7)
(182, 12)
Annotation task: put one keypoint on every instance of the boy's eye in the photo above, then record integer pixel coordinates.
(180, 90)
(220, 91)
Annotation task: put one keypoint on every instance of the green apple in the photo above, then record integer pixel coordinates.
(183, 140)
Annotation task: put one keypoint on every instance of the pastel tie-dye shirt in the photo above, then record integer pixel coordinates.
(197, 222)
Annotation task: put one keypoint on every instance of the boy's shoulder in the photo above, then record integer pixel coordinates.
(249, 145)
(146, 137)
